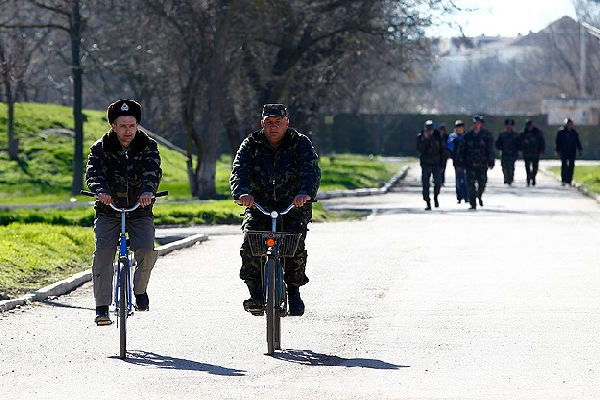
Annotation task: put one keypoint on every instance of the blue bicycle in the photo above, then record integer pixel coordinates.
(123, 286)
(273, 246)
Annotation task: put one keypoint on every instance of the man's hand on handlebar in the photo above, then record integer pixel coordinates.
(301, 199)
(246, 200)
(105, 198)
(146, 199)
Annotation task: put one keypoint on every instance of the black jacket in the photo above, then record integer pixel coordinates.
(432, 149)
(532, 143)
(567, 143)
(124, 174)
(476, 150)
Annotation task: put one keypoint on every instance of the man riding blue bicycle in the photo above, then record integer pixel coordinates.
(275, 166)
(123, 168)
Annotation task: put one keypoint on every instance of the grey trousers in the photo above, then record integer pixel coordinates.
(141, 234)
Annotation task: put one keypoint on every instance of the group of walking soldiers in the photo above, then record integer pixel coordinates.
(473, 154)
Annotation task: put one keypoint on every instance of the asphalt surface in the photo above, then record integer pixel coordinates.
(500, 303)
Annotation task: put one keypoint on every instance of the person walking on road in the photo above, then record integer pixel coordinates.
(432, 153)
(476, 155)
(532, 147)
(459, 172)
(275, 166)
(508, 144)
(123, 167)
(568, 147)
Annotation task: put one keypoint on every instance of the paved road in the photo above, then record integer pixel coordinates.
(501, 303)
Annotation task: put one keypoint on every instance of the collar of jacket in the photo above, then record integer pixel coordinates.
(111, 143)
(290, 135)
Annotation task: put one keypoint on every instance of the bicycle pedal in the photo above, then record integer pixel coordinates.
(257, 313)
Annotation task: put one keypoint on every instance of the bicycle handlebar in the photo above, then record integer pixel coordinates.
(130, 209)
(269, 213)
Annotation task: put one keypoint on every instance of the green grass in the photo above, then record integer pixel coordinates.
(352, 171)
(35, 255)
(43, 174)
(587, 175)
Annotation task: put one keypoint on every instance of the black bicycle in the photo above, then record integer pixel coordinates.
(123, 286)
(273, 246)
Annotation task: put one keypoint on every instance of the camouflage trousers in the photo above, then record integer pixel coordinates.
(508, 169)
(476, 181)
(294, 267)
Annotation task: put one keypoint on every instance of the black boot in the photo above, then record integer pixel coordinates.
(296, 305)
(428, 205)
(142, 302)
(255, 304)
(435, 201)
(480, 201)
(102, 316)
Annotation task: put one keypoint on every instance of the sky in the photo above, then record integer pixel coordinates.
(506, 17)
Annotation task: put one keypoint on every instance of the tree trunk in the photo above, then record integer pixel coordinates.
(207, 162)
(77, 183)
(13, 146)
(232, 127)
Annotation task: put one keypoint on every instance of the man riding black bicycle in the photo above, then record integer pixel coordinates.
(123, 168)
(275, 166)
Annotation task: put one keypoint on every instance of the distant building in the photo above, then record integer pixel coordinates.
(581, 111)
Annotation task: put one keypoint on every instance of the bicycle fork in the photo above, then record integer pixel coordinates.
(123, 263)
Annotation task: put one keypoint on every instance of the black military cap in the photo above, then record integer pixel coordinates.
(122, 108)
(478, 118)
(274, 110)
(528, 122)
(459, 122)
(509, 121)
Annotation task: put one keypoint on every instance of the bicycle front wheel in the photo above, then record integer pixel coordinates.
(271, 313)
(123, 307)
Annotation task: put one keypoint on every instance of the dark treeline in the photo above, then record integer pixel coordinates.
(202, 69)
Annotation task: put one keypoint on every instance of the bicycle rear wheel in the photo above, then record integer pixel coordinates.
(123, 308)
(271, 305)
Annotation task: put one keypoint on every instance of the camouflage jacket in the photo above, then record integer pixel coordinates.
(432, 149)
(532, 143)
(124, 174)
(275, 176)
(476, 150)
(509, 144)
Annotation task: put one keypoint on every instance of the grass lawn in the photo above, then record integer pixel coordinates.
(35, 255)
(587, 175)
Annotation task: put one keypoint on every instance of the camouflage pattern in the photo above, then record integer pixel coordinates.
(532, 143)
(124, 174)
(294, 267)
(476, 150)
(475, 154)
(274, 110)
(274, 177)
(509, 144)
(432, 149)
(476, 181)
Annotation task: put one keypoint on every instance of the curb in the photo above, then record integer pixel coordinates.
(580, 188)
(334, 194)
(78, 279)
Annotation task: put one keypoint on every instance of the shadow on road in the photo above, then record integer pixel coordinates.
(63, 305)
(308, 357)
(139, 357)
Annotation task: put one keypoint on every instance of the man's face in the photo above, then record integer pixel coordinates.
(460, 129)
(570, 125)
(125, 127)
(509, 128)
(477, 126)
(275, 128)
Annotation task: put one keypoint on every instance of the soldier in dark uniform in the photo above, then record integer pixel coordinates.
(533, 147)
(275, 166)
(432, 149)
(567, 148)
(123, 167)
(508, 144)
(476, 155)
